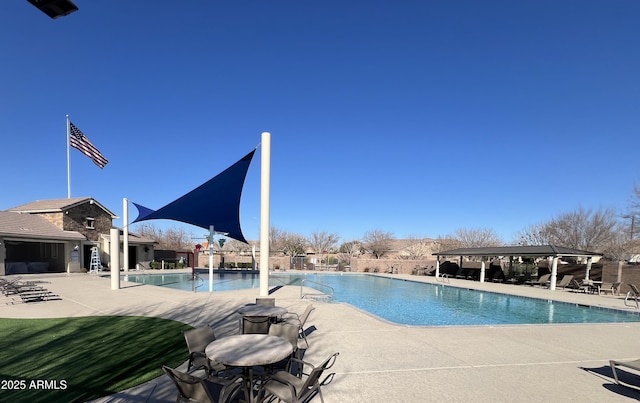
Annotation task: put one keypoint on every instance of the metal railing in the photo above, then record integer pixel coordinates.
(444, 278)
(197, 282)
(326, 294)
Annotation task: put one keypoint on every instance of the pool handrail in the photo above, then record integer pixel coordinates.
(197, 278)
(278, 279)
(330, 289)
(444, 277)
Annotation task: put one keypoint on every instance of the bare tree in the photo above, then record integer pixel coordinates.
(348, 250)
(148, 230)
(293, 244)
(288, 243)
(445, 243)
(634, 204)
(476, 237)
(633, 213)
(176, 239)
(322, 242)
(378, 242)
(276, 239)
(583, 229)
(415, 248)
(535, 234)
(233, 245)
(620, 248)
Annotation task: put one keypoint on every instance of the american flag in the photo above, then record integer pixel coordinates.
(78, 140)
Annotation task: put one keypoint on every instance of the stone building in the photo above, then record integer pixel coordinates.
(58, 235)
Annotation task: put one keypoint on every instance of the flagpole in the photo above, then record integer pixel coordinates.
(68, 161)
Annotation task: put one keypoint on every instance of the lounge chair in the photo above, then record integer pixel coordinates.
(616, 287)
(633, 295)
(196, 389)
(430, 272)
(576, 287)
(591, 286)
(566, 279)
(541, 281)
(5, 283)
(197, 340)
(289, 388)
(498, 276)
(15, 286)
(635, 365)
(605, 288)
(462, 273)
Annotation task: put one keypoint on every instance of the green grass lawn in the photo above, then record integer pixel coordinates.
(89, 357)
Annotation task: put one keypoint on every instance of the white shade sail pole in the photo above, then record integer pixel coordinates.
(265, 196)
(125, 234)
(114, 262)
(589, 263)
(554, 273)
(212, 233)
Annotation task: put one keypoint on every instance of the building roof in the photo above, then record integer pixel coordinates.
(13, 224)
(133, 239)
(57, 205)
(529, 250)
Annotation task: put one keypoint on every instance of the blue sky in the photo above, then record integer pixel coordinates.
(414, 117)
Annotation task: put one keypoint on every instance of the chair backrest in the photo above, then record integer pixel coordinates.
(189, 387)
(266, 301)
(197, 339)
(544, 278)
(566, 279)
(286, 331)
(305, 314)
(635, 290)
(313, 380)
(255, 324)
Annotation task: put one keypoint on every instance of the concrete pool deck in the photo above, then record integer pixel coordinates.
(380, 361)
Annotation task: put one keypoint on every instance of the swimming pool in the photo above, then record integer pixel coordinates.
(183, 281)
(411, 302)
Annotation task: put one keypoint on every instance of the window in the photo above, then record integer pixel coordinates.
(90, 222)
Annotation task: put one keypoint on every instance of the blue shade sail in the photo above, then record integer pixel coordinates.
(215, 202)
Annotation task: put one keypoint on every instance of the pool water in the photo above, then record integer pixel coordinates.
(410, 302)
(183, 281)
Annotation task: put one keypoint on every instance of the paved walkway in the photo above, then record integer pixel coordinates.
(380, 361)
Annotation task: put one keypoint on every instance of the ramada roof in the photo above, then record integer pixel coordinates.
(529, 250)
